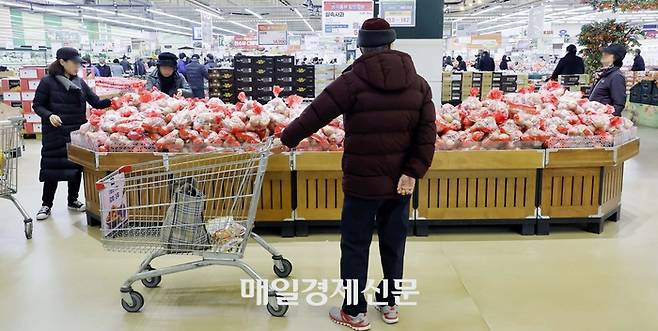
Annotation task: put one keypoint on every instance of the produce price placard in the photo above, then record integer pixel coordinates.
(113, 202)
(344, 18)
(272, 34)
(398, 13)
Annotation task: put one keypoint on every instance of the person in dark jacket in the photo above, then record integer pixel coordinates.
(167, 79)
(570, 64)
(181, 63)
(140, 68)
(609, 83)
(389, 143)
(211, 63)
(487, 62)
(638, 61)
(196, 74)
(125, 64)
(61, 101)
(116, 68)
(103, 69)
(151, 62)
(503, 63)
(461, 64)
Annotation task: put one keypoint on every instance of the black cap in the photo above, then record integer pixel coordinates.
(619, 51)
(196, 56)
(167, 59)
(69, 53)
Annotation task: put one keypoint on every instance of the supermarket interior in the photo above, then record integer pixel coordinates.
(340, 164)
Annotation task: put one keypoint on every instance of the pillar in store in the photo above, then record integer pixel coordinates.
(424, 41)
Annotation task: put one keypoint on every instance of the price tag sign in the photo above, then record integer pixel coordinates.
(399, 13)
(344, 18)
(272, 34)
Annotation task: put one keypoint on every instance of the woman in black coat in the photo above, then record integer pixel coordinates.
(609, 83)
(61, 102)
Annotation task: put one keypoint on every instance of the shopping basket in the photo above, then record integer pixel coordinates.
(201, 204)
(11, 148)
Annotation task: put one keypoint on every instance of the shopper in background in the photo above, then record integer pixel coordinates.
(151, 62)
(461, 64)
(181, 63)
(503, 63)
(61, 101)
(609, 83)
(210, 61)
(167, 78)
(140, 68)
(103, 69)
(196, 74)
(447, 61)
(116, 68)
(125, 64)
(389, 143)
(638, 61)
(570, 64)
(487, 62)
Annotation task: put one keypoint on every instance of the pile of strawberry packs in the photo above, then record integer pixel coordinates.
(148, 121)
(549, 118)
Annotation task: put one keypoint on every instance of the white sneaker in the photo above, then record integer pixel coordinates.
(43, 213)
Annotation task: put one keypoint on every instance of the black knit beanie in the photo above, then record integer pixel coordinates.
(375, 32)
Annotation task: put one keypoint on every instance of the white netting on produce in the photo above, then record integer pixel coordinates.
(549, 118)
(149, 121)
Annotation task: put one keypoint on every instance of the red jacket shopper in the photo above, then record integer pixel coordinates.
(389, 142)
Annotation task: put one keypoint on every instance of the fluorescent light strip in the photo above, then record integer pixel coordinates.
(134, 17)
(241, 25)
(157, 12)
(95, 18)
(229, 31)
(309, 25)
(298, 13)
(210, 14)
(268, 22)
(485, 10)
(504, 24)
(253, 13)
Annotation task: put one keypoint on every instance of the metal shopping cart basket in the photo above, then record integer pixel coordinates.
(201, 204)
(11, 148)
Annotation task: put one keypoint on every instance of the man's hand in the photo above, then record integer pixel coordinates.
(278, 149)
(55, 121)
(406, 185)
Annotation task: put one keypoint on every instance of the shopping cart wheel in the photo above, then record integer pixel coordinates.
(287, 268)
(28, 229)
(151, 282)
(279, 311)
(137, 302)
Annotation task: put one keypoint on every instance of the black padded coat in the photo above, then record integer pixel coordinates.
(66, 98)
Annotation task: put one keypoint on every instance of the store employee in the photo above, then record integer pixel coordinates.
(167, 79)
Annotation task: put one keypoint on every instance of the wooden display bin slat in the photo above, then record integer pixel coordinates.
(319, 186)
(275, 199)
(489, 160)
(583, 185)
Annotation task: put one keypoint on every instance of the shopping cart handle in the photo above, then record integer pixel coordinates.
(16, 119)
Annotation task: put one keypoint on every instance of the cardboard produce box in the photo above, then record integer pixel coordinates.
(32, 72)
(7, 111)
(29, 84)
(10, 84)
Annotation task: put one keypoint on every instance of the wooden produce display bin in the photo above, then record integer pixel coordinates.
(583, 186)
(476, 187)
(319, 186)
(274, 203)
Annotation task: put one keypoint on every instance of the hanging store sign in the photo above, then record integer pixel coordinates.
(398, 13)
(197, 33)
(247, 42)
(465, 29)
(272, 34)
(536, 23)
(344, 18)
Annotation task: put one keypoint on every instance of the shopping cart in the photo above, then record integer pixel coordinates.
(11, 148)
(202, 205)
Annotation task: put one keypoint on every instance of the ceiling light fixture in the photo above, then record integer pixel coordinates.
(134, 17)
(253, 13)
(157, 12)
(242, 25)
(485, 10)
(309, 25)
(229, 31)
(268, 22)
(298, 13)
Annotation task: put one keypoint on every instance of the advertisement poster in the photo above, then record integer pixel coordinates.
(273, 34)
(113, 203)
(247, 42)
(197, 33)
(344, 18)
(398, 13)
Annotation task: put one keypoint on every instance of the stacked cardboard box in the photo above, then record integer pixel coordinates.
(510, 83)
(284, 67)
(18, 92)
(221, 84)
(574, 82)
(644, 92)
(304, 81)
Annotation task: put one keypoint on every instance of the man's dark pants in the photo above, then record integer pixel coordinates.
(356, 227)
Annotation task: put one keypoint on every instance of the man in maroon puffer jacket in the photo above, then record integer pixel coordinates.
(389, 142)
